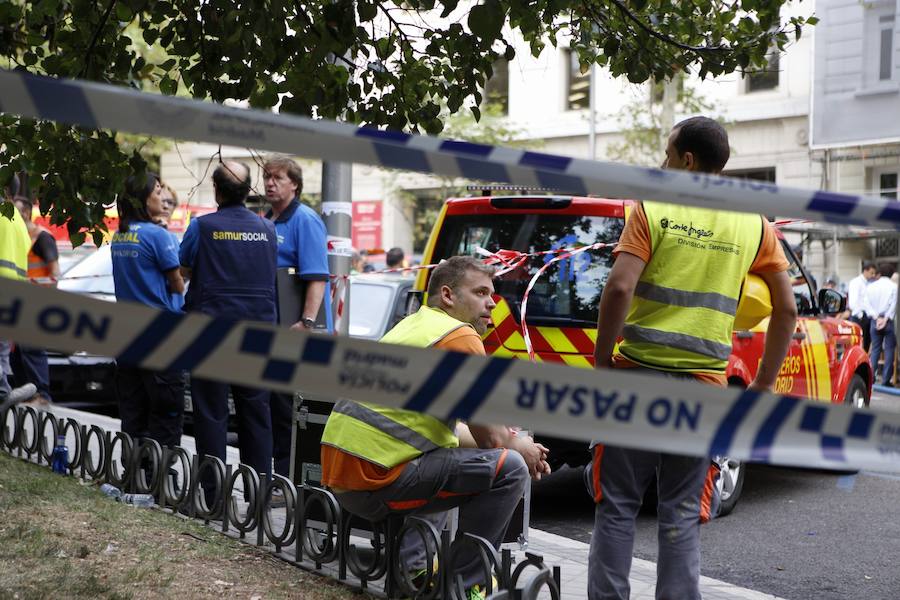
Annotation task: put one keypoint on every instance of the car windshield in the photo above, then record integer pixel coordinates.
(568, 291)
(370, 308)
(92, 275)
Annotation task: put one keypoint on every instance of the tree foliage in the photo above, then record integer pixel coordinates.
(392, 63)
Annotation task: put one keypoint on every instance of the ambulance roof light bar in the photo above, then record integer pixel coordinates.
(486, 190)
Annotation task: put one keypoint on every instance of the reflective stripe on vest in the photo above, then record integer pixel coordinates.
(384, 436)
(17, 271)
(423, 329)
(684, 305)
(390, 436)
(38, 268)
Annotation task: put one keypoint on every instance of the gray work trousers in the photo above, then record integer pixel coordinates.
(686, 490)
(486, 485)
(624, 477)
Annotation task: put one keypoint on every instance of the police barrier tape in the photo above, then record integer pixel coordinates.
(95, 105)
(316, 532)
(616, 407)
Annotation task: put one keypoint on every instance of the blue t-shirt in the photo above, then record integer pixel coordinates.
(303, 244)
(176, 298)
(140, 258)
(187, 254)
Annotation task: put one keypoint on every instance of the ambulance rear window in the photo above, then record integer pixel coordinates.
(568, 293)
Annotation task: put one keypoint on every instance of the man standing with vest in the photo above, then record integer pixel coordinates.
(382, 461)
(30, 364)
(672, 295)
(229, 256)
(14, 244)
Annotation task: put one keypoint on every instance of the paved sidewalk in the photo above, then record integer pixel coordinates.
(570, 555)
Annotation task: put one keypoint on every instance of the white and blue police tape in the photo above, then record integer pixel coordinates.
(617, 407)
(104, 106)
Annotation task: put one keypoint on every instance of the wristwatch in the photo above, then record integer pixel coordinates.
(307, 322)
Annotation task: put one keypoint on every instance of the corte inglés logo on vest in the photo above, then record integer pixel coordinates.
(689, 229)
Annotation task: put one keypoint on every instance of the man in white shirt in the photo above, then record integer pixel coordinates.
(856, 292)
(881, 304)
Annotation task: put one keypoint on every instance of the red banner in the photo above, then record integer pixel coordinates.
(366, 231)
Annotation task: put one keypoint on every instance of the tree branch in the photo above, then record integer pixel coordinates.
(93, 44)
(663, 37)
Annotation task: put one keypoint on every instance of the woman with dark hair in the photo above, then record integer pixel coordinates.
(145, 270)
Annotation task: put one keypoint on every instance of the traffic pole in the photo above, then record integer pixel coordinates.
(337, 214)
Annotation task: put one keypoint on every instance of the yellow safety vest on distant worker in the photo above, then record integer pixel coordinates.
(14, 246)
(682, 315)
(386, 436)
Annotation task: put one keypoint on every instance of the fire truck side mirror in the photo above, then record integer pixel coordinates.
(831, 301)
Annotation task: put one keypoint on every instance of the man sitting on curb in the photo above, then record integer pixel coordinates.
(381, 461)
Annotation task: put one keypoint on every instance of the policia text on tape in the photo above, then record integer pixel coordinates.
(637, 411)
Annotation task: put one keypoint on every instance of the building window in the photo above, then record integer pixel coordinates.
(767, 77)
(887, 184)
(886, 46)
(496, 88)
(878, 56)
(886, 247)
(766, 174)
(578, 84)
(658, 90)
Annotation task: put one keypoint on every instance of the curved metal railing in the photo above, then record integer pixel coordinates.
(309, 519)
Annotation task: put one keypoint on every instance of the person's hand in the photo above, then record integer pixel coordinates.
(756, 386)
(534, 454)
(880, 322)
(299, 326)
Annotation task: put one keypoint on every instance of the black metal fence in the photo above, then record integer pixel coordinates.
(315, 533)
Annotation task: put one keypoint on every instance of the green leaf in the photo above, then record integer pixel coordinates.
(486, 20)
(366, 11)
(77, 238)
(812, 21)
(449, 7)
(168, 86)
(123, 12)
(7, 209)
(384, 47)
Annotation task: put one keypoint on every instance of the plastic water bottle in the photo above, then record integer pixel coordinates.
(111, 491)
(60, 458)
(139, 500)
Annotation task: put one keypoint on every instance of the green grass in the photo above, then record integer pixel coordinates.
(61, 537)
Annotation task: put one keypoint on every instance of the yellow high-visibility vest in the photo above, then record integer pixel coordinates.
(14, 246)
(391, 436)
(682, 315)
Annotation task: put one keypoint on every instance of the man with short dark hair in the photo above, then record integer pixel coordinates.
(302, 246)
(229, 256)
(672, 295)
(880, 302)
(856, 300)
(420, 466)
(394, 258)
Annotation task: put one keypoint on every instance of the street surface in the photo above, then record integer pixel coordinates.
(797, 534)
